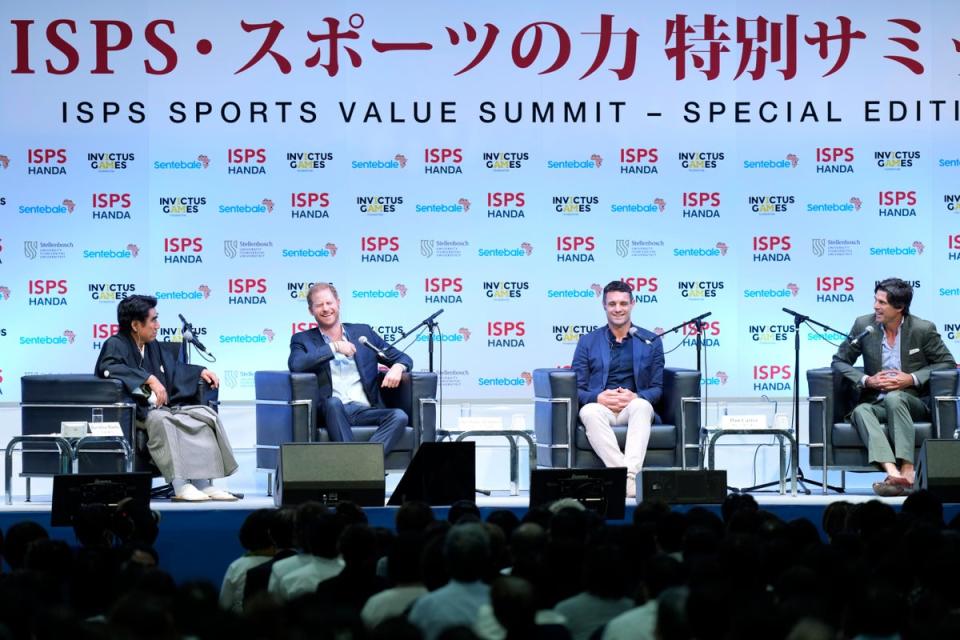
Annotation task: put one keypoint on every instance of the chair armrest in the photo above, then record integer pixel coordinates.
(71, 388)
(284, 385)
(414, 387)
(556, 406)
(677, 385)
(282, 399)
(820, 383)
(944, 384)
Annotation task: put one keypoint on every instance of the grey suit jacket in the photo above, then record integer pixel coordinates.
(921, 351)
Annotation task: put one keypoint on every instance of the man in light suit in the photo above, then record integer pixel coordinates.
(619, 379)
(898, 356)
(347, 371)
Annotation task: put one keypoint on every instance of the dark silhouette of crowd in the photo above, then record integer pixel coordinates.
(312, 571)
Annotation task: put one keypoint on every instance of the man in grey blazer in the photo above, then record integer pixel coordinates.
(899, 352)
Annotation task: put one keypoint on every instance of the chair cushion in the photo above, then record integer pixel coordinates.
(662, 436)
(846, 435)
(363, 434)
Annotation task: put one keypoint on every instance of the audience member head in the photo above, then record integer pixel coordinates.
(351, 513)
(505, 519)
(463, 509)
(670, 530)
(282, 527)
(322, 532)
(924, 506)
(514, 605)
(527, 545)
(835, 518)
(255, 531)
(358, 547)
(19, 537)
(604, 572)
(403, 561)
(467, 552)
(307, 514)
(737, 502)
(672, 622)
(414, 516)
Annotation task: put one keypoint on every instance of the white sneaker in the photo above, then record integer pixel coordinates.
(216, 493)
(189, 493)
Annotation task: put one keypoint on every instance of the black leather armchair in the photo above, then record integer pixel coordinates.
(49, 399)
(288, 411)
(844, 447)
(557, 422)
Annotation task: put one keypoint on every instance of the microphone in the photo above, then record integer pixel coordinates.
(369, 345)
(863, 334)
(432, 318)
(701, 316)
(188, 336)
(633, 334)
(798, 316)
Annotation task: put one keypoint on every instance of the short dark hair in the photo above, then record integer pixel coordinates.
(899, 293)
(134, 308)
(617, 285)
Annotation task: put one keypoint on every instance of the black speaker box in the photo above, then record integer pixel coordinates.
(440, 473)
(938, 469)
(602, 490)
(675, 486)
(330, 472)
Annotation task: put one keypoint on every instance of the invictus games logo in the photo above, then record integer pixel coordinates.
(832, 248)
(399, 161)
(34, 249)
(639, 160)
(835, 159)
(377, 205)
(701, 204)
(790, 161)
(443, 248)
(951, 331)
(503, 291)
(594, 162)
(699, 289)
(771, 334)
(897, 204)
(505, 204)
(309, 205)
(246, 161)
(46, 162)
(791, 290)
(110, 162)
(770, 205)
(202, 162)
(181, 205)
(657, 205)
(570, 333)
(951, 202)
(505, 160)
(896, 160)
(574, 205)
(700, 160)
(110, 291)
(850, 206)
(524, 250)
(627, 248)
(254, 249)
(306, 161)
(389, 332)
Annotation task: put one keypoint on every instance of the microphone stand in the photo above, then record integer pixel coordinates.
(698, 323)
(802, 482)
(432, 327)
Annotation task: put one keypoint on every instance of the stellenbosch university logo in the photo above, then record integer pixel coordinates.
(835, 288)
(627, 248)
(443, 290)
(700, 160)
(503, 291)
(506, 334)
(835, 159)
(460, 206)
(377, 205)
(399, 161)
(202, 162)
(896, 160)
(699, 289)
(505, 204)
(576, 249)
(68, 337)
(772, 377)
(524, 250)
(833, 248)
(897, 204)
(202, 292)
(309, 205)
(790, 161)
(126, 252)
(505, 160)
(657, 205)
(254, 249)
(238, 379)
(701, 204)
(594, 162)
(850, 206)
(570, 333)
(263, 337)
(183, 250)
(953, 247)
(246, 161)
(771, 333)
(914, 248)
(308, 161)
(110, 206)
(61, 208)
(110, 162)
(769, 205)
(379, 249)
(46, 162)
(716, 251)
(47, 293)
(644, 288)
(525, 379)
(181, 205)
(443, 248)
(593, 291)
(789, 291)
(110, 291)
(639, 160)
(329, 250)
(35, 249)
(263, 207)
(398, 291)
(442, 160)
(772, 248)
(247, 291)
(462, 335)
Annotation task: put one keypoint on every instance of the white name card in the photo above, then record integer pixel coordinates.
(106, 429)
(73, 429)
(743, 422)
(480, 423)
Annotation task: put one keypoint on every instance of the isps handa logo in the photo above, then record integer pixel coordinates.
(835, 159)
(772, 248)
(525, 379)
(110, 291)
(310, 205)
(835, 288)
(506, 334)
(110, 162)
(505, 204)
(46, 162)
(574, 205)
(645, 288)
(504, 161)
(570, 333)
(790, 161)
(701, 204)
(247, 291)
(307, 161)
(576, 248)
(897, 204)
(202, 162)
(442, 160)
(594, 162)
(772, 377)
(68, 337)
(246, 161)
(183, 250)
(110, 206)
(263, 337)
(709, 334)
(47, 293)
(639, 160)
(379, 249)
(953, 247)
(443, 290)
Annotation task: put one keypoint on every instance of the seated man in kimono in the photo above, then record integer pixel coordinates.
(187, 443)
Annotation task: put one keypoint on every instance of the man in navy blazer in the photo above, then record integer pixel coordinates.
(619, 371)
(347, 371)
